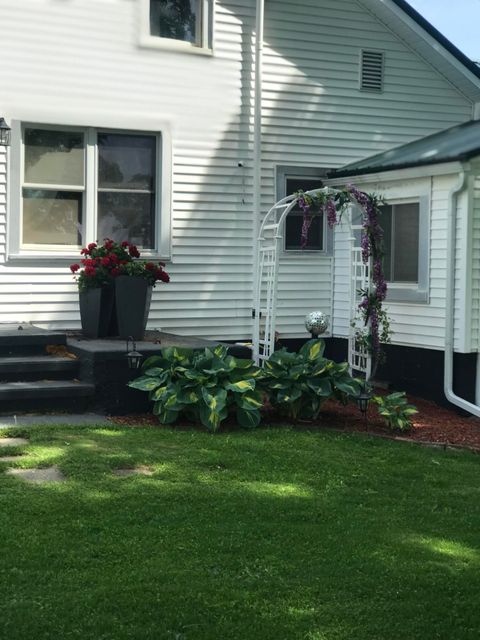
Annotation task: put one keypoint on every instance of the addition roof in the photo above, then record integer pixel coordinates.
(458, 143)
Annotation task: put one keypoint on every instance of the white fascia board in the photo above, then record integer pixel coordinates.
(424, 171)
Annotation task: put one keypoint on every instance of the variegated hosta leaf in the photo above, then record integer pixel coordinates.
(158, 393)
(313, 349)
(248, 419)
(250, 401)
(145, 383)
(242, 386)
(216, 400)
(156, 372)
(165, 416)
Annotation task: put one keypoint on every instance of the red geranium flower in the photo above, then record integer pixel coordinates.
(105, 261)
(74, 267)
(92, 246)
(115, 272)
(149, 266)
(125, 244)
(133, 251)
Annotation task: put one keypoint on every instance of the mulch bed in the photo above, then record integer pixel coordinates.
(432, 425)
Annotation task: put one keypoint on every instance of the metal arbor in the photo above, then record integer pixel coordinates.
(266, 284)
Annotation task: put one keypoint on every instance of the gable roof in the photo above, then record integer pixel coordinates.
(458, 143)
(441, 39)
(423, 38)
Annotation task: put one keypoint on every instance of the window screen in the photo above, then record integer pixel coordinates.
(400, 223)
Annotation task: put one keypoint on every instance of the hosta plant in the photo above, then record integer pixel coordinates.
(298, 383)
(203, 385)
(395, 410)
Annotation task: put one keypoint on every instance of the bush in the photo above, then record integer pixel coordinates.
(298, 383)
(395, 410)
(204, 385)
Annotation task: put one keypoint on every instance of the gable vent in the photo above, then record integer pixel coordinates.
(371, 71)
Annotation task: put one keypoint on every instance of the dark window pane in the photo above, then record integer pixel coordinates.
(176, 19)
(127, 216)
(54, 157)
(52, 217)
(294, 221)
(405, 234)
(126, 161)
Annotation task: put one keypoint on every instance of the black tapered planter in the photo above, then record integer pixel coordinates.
(132, 304)
(96, 310)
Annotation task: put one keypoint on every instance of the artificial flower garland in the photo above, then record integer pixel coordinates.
(332, 204)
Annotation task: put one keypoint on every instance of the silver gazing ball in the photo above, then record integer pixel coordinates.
(317, 322)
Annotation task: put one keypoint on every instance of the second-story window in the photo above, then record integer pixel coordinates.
(186, 21)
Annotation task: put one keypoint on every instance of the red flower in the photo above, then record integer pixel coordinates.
(92, 246)
(125, 244)
(149, 266)
(115, 272)
(84, 252)
(108, 244)
(133, 251)
(74, 267)
(90, 272)
(113, 258)
(89, 262)
(105, 261)
(162, 275)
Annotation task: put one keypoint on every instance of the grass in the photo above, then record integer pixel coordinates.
(271, 535)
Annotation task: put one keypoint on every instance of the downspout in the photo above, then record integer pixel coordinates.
(257, 139)
(450, 297)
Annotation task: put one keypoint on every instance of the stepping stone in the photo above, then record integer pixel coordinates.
(138, 471)
(12, 442)
(12, 458)
(38, 476)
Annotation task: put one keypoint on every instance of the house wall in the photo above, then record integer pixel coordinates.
(84, 57)
(417, 324)
(475, 264)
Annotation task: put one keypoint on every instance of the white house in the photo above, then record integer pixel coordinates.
(176, 123)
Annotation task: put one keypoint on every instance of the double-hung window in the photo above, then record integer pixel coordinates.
(405, 244)
(187, 24)
(291, 180)
(85, 184)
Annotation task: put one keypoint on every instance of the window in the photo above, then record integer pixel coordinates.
(80, 185)
(405, 239)
(290, 180)
(188, 23)
(372, 65)
(400, 225)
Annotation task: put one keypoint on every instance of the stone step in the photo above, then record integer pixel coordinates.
(44, 390)
(24, 339)
(37, 366)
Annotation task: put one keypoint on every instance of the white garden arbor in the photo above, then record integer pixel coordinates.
(269, 246)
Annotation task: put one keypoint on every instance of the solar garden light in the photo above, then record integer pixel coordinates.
(134, 358)
(316, 323)
(363, 400)
(5, 132)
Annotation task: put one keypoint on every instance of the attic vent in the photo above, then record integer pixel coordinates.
(371, 72)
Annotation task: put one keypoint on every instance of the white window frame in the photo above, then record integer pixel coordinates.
(284, 173)
(415, 292)
(205, 47)
(163, 188)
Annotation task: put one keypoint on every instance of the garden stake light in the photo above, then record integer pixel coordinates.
(134, 357)
(362, 403)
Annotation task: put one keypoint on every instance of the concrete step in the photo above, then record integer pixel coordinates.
(25, 339)
(37, 366)
(44, 390)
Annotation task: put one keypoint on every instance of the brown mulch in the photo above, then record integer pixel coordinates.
(432, 425)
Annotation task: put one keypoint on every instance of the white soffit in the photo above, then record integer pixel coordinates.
(430, 49)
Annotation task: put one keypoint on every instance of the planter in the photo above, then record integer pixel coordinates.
(132, 304)
(96, 309)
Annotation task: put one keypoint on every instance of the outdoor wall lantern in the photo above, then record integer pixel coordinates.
(134, 358)
(316, 323)
(5, 132)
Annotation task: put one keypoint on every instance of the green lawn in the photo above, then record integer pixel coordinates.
(265, 535)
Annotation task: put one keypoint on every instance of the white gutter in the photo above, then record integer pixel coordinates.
(450, 297)
(257, 140)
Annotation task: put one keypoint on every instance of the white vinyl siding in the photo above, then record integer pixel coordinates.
(314, 115)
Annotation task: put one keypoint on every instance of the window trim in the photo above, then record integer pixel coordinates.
(417, 293)
(163, 206)
(180, 46)
(284, 172)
